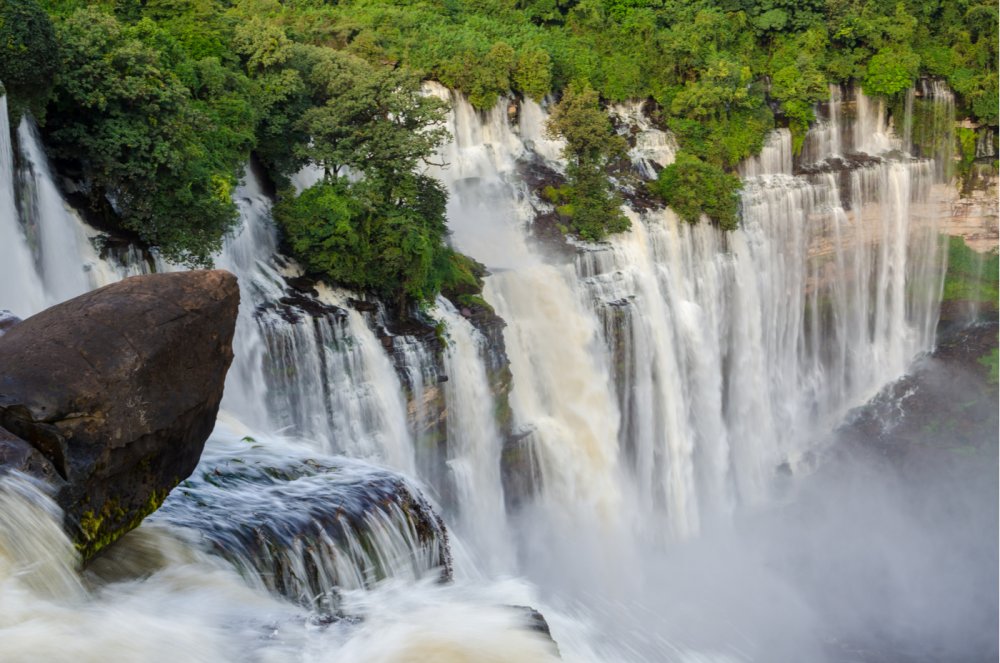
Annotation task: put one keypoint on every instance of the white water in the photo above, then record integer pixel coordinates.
(664, 380)
(22, 289)
(474, 443)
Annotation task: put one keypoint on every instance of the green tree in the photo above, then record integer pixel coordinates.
(891, 71)
(132, 124)
(692, 187)
(533, 73)
(591, 146)
(374, 120)
(797, 79)
(29, 54)
(350, 233)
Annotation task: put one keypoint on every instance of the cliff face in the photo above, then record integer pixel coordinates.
(972, 215)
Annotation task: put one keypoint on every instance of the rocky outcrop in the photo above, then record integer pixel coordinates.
(110, 396)
(7, 320)
(308, 526)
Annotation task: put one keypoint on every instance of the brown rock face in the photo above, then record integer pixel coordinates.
(118, 390)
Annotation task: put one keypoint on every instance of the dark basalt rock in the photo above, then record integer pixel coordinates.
(117, 390)
(535, 621)
(17, 455)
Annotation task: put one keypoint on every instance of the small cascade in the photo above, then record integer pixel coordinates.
(775, 157)
(933, 122)
(329, 380)
(826, 138)
(21, 289)
(651, 149)
(531, 128)
(307, 526)
(61, 240)
(873, 131)
(986, 144)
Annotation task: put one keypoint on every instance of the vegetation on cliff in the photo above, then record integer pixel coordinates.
(157, 104)
(971, 277)
(589, 204)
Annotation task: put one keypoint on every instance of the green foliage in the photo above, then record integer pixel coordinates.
(373, 120)
(971, 276)
(28, 54)
(692, 187)
(966, 151)
(992, 363)
(891, 71)
(167, 161)
(533, 73)
(157, 103)
(592, 207)
(352, 235)
(798, 81)
(462, 280)
(580, 121)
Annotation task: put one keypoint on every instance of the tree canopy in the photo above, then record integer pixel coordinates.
(155, 106)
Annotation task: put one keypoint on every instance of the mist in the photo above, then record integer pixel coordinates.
(885, 551)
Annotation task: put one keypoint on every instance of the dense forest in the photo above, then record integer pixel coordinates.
(156, 106)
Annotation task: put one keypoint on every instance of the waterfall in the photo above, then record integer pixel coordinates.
(561, 394)
(748, 346)
(729, 354)
(61, 236)
(474, 442)
(21, 289)
(663, 381)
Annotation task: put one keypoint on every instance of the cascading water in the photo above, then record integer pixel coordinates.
(288, 351)
(663, 382)
(474, 442)
(61, 234)
(749, 344)
(560, 392)
(20, 286)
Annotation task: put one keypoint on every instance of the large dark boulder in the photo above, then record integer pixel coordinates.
(117, 390)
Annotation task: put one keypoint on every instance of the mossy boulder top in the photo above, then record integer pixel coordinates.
(109, 397)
